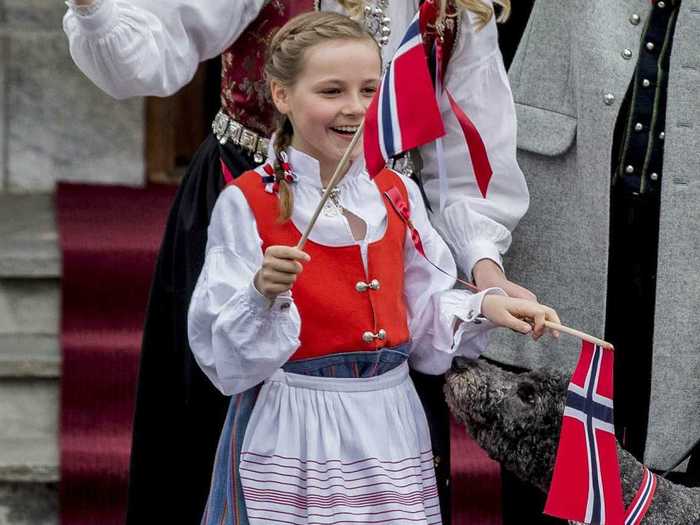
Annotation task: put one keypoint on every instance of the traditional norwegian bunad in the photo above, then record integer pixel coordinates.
(336, 432)
(152, 47)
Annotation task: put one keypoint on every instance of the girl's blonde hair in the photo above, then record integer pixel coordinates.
(481, 8)
(285, 61)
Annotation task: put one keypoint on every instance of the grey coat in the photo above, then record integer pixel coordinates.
(569, 59)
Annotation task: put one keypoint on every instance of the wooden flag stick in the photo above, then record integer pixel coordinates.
(335, 179)
(578, 333)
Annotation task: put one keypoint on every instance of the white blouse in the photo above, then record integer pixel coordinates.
(152, 47)
(240, 338)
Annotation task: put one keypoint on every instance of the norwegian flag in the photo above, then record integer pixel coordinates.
(586, 481)
(404, 113)
(642, 500)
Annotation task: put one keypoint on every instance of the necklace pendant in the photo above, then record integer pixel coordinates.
(332, 207)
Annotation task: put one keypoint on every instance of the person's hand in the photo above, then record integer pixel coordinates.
(487, 274)
(520, 315)
(280, 267)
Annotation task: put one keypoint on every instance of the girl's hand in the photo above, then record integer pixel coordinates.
(280, 267)
(487, 274)
(520, 315)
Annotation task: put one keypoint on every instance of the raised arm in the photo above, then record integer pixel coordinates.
(238, 336)
(477, 227)
(151, 47)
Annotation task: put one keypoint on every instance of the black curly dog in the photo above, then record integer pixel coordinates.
(516, 419)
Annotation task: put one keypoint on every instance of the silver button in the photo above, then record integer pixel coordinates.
(646, 82)
(368, 337)
(635, 19)
(661, 4)
(650, 46)
(361, 286)
(381, 335)
(609, 98)
(374, 284)
(654, 176)
(626, 54)
(662, 135)
(638, 126)
(629, 169)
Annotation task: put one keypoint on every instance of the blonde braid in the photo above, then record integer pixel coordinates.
(283, 139)
(483, 10)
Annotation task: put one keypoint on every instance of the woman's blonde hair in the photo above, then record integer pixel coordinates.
(285, 61)
(481, 8)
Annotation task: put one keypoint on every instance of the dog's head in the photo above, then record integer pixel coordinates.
(515, 417)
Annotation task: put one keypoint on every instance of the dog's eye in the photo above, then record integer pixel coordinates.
(526, 393)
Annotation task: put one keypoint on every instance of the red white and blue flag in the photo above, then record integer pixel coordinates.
(586, 481)
(404, 113)
(642, 500)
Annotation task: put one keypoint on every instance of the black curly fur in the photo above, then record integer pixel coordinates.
(516, 419)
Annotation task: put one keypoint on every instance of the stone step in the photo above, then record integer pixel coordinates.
(28, 430)
(29, 355)
(28, 237)
(29, 306)
(29, 504)
(29, 358)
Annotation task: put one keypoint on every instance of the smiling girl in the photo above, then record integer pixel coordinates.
(324, 424)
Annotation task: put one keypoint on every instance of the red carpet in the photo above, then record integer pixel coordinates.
(109, 239)
(476, 481)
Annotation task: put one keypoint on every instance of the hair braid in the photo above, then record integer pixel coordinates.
(283, 138)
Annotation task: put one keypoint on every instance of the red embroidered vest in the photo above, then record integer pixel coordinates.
(337, 306)
(243, 92)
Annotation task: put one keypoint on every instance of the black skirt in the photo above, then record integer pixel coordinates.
(179, 413)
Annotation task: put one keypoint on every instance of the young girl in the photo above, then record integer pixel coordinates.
(336, 432)
(152, 47)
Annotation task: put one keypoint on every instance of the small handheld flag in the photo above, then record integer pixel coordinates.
(586, 481)
(404, 113)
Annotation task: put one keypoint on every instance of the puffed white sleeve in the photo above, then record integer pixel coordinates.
(443, 322)
(238, 336)
(151, 47)
(477, 226)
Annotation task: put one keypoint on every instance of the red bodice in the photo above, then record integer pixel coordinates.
(244, 95)
(339, 308)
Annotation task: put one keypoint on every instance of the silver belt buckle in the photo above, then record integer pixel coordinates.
(225, 128)
(261, 152)
(234, 131)
(248, 140)
(219, 126)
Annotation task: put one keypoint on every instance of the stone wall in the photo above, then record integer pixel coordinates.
(54, 123)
